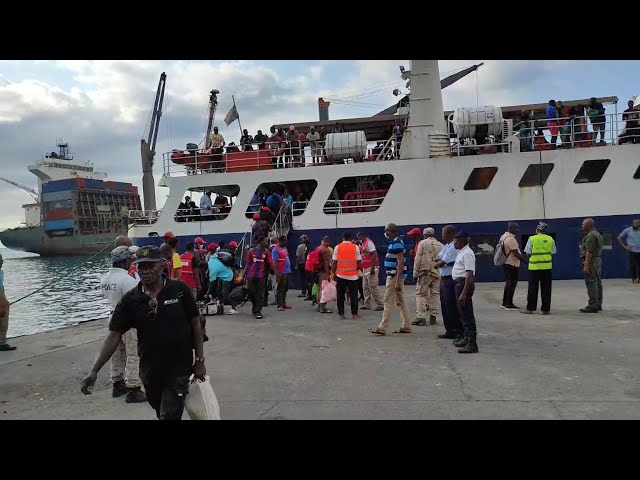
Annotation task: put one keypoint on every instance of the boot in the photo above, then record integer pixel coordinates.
(448, 335)
(119, 389)
(462, 342)
(471, 346)
(135, 395)
(420, 322)
(432, 319)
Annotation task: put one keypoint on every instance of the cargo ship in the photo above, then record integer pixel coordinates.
(76, 211)
(470, 167)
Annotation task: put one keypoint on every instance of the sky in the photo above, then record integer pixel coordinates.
(102, 108)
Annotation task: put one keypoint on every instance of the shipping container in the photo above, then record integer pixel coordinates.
(59, 214)
(50, 225)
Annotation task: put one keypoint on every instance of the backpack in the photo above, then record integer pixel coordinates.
(226, 258)
(313, 261)
(499, 257)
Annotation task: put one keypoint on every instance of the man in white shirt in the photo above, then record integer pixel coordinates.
(464, 270)
(125, 363)
(313, 138)
(206, 206)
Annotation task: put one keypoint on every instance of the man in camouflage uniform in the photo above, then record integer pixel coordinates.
(590, 254)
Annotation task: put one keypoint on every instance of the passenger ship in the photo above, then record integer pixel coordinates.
(464, 168)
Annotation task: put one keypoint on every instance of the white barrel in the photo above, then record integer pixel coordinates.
(466, 119)
(340, 146)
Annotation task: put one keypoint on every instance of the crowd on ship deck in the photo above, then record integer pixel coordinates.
(570, 125)
(291, 148)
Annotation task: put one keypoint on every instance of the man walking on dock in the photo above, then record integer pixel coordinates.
(167, 320)
(257, 267)
(4, 314)
(125, 363)
(540, 248)
(395, 264)
(347, 262)
(630, 241)
(590, 254)
(427, 278)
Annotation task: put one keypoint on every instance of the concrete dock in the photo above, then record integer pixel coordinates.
(301, 364)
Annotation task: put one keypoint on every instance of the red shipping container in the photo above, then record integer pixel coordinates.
(59, 214)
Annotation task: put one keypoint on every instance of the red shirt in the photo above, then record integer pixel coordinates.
(186, 272)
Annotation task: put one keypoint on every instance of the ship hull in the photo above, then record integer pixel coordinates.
(567, 233)
(35, 240)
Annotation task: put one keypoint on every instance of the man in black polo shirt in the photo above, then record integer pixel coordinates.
(167, 319)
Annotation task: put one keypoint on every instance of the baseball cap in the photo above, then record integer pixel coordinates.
(168, 234)
(233, 244)
(256, 216)
(119, 254)
(199, 240)
(149, 253)
(543, 227)
(212, 247)
(428, 231)
(415, 231)
(461, 234)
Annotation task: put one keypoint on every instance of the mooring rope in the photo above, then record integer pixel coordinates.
(73, 270)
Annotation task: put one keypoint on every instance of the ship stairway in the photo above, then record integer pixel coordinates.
(282, 225)
(389, 150)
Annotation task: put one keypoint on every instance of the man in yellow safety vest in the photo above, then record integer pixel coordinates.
(539, 249)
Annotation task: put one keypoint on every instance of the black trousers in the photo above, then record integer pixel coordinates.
(282, 289)
(304, 281)
(511, 273)
(342, 286)
(256, 289)
(465, 310)
(449, 305)
(224, 289)
(166, 395)
(542, 279)
(634, 264)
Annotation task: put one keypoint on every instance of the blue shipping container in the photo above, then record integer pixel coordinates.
(60, 185)
(58, 225)
(94, 184)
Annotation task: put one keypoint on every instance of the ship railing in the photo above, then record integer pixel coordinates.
(143, 217)
(572, 132)
(282, 223)
(263, 156)
(199, 215)
(356, 202)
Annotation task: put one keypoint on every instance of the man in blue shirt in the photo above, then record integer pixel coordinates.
(4, 314)
(395, 264)
(448, 300)
(630, 241)
(224, 275)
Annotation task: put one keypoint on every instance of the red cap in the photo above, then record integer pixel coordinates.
(168, 234)
(212, 247)
(256, 216)
(415, 231)
(233, 244)
(199, 240)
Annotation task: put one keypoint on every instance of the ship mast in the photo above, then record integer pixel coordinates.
(213, 105)
(148, 148)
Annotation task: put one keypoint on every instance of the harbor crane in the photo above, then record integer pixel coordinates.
(30, 191)
(148, 148)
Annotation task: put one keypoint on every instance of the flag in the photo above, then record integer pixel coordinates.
(232, 116)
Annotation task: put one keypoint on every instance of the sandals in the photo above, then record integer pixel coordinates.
(402, 331)
(375, 331)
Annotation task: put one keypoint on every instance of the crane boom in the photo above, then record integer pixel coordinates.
(148, 147)
(31, 191)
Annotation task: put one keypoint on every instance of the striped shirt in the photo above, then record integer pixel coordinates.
(395, 247)
(256, 260)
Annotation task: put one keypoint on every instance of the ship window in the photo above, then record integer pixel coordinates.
(637, 174)
(592, 171)
(300, 190)
(358, 194)
(536, 174)
(223, 197)
(483, 244)
(480, 178)
(607, 239)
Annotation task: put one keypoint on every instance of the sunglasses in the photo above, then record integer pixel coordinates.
(153, 303)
